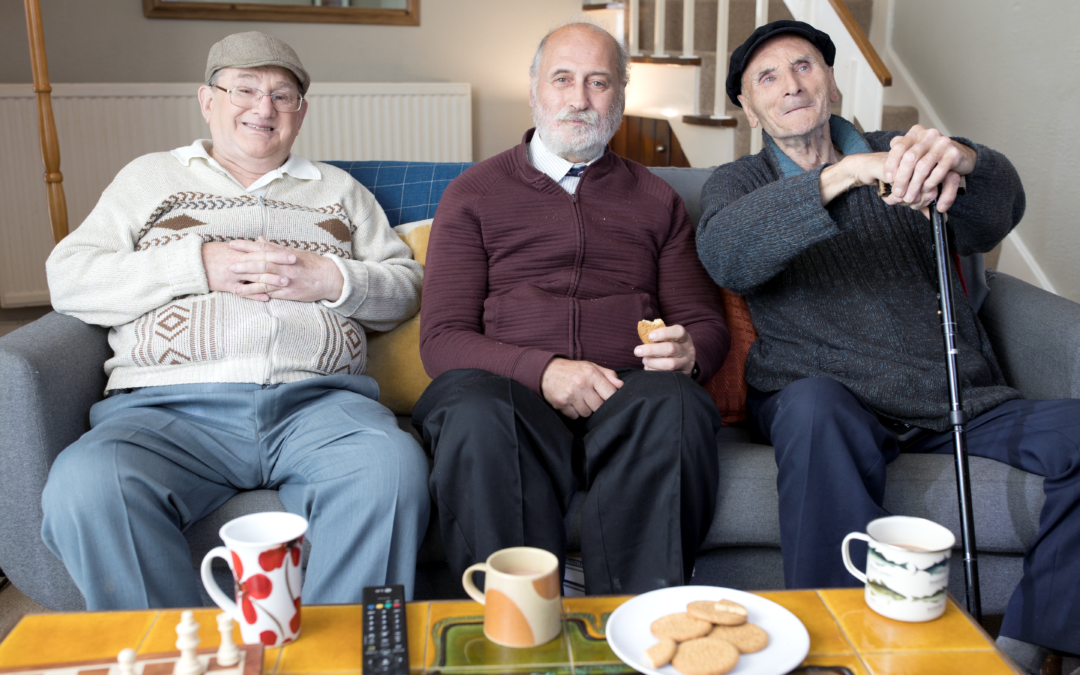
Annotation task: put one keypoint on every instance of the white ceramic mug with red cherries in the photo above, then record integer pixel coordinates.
(263, 552)
(521, 598)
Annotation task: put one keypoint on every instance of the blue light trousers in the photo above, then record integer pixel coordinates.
(158, 459)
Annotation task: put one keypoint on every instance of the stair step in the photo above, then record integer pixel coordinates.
(668, 60)
(741, 15)
(710, 121)
(899, 117)
(740, 26)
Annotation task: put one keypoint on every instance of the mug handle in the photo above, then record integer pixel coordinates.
(847, 554)
(467, 582)
(212, 588)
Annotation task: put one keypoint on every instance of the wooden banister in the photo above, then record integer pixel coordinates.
(50, 146)
(863, 43)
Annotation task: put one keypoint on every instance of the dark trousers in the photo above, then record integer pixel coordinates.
(832, 451)
(507, 465)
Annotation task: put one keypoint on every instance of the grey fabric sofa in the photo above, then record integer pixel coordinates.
(51, 373)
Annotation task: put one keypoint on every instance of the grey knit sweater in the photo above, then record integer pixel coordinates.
(849, 290)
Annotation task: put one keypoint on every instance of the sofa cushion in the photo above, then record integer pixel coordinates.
(1006, 501)
(688, 183)
(394, 356)
(728, 387)
(406, 191)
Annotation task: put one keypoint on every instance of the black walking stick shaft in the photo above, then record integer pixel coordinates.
(956, 414)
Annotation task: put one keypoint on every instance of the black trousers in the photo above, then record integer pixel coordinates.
(507, 465)
(832, 453)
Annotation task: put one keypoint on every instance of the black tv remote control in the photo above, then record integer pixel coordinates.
(386, 642)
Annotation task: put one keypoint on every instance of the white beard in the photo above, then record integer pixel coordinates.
(577, 144)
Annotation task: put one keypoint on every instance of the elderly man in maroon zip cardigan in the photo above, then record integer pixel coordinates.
(542, 261)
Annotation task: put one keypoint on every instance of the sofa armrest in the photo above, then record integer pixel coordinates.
(1036, 337)
(50, 374)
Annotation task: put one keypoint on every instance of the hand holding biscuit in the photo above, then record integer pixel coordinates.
(577, 388)
(666, 347)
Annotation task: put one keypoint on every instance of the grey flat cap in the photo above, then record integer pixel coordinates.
(252, 50)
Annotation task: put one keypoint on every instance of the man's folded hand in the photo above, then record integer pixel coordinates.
(578, 388)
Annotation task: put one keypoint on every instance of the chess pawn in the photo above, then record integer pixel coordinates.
(227, 653)
(126, 662)
(187, 640)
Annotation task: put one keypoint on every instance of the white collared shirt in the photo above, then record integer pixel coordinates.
(296, 166)
(549, 163)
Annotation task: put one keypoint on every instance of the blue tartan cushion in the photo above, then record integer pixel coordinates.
(407, 191)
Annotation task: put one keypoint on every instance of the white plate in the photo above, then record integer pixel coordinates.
(629, 636)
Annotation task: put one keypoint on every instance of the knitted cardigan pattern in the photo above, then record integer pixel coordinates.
(135, 265)
(849, 290)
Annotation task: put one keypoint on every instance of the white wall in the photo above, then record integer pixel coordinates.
(1005, 73)
(488, 43)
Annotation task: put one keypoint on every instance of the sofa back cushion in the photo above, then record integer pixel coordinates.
(407, 191)
(393, 357)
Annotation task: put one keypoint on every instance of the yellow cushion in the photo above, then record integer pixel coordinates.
(393, 358)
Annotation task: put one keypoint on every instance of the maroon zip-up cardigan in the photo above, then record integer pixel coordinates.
(519, 271)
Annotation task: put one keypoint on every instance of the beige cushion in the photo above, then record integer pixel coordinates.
(393, 357)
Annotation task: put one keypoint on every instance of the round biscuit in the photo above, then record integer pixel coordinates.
(720, 612)
(705, 656)
(680, 627)
(659, 655)
(645, 327)
(747, 638)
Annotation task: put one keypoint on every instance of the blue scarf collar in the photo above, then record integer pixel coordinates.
(843, 133)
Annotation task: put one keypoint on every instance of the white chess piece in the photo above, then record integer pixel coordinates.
(126, 662)
(187, 639)
(227, 653)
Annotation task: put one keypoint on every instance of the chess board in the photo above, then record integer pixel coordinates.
(251, 658)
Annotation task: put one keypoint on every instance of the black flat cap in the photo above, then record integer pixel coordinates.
(741, 56)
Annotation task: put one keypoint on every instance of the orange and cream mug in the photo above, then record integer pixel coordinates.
(521, 600)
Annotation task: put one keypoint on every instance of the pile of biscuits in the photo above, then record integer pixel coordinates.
(706, 639)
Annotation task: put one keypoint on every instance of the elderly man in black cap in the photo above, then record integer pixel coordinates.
(848, 369)
(237, 280)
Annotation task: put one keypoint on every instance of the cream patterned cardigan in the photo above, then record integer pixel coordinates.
(135, 265)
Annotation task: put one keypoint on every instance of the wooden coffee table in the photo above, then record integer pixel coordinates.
(447, 637)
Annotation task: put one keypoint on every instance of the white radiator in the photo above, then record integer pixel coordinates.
(102, 127)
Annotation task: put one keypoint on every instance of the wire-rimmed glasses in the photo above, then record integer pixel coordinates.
(283, 100)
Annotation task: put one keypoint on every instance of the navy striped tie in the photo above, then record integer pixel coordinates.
(576, 170)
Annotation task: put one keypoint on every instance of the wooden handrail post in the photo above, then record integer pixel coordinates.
(50, 146)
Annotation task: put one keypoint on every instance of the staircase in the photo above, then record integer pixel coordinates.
(659, 90)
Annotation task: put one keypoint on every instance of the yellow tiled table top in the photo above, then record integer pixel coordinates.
(446, 637)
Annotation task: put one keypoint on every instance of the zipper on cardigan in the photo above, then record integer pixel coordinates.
(575, 317)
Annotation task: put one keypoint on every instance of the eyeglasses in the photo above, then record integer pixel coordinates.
(283, 101)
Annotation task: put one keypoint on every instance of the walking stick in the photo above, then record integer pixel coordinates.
(956, 414)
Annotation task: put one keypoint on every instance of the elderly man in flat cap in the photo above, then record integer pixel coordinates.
(848, 370)
(237, 279)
